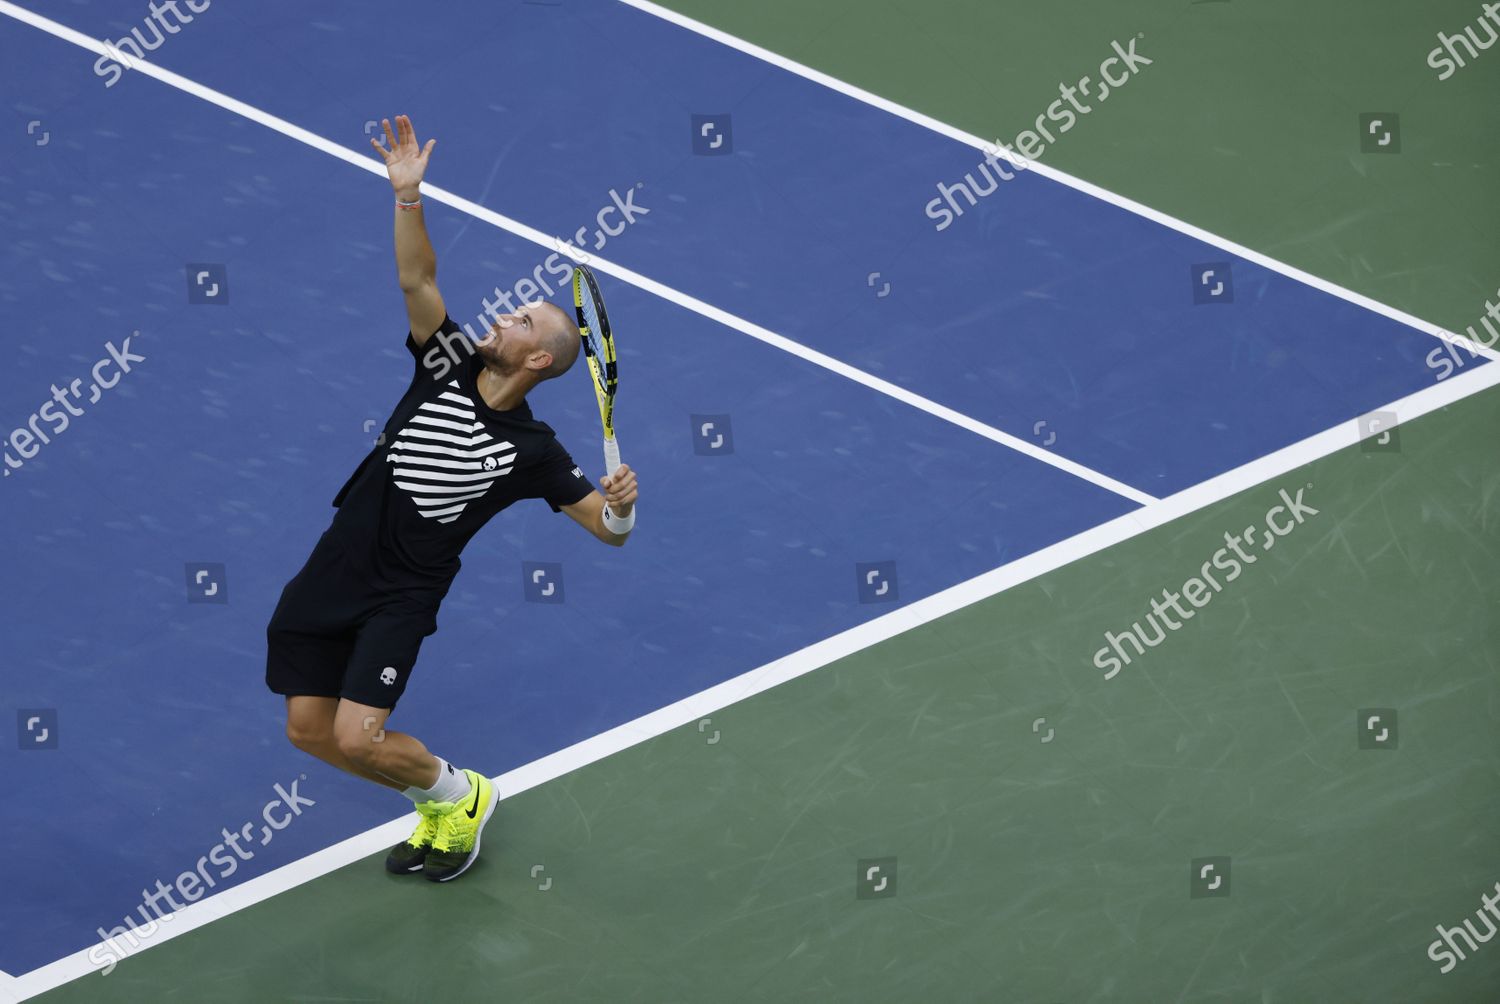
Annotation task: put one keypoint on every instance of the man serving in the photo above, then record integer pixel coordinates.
(460, 446)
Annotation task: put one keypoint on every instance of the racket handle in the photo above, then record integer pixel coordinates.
(611, 456)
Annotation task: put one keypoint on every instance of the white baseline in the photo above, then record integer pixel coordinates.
(708, 702)
(1155, 513)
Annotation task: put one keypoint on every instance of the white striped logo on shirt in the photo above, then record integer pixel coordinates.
(443, 459)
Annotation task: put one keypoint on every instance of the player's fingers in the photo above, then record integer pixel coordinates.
(388, 134)
(427, 150)
(380, 149)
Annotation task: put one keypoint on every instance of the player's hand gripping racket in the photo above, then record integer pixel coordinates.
(599, 347)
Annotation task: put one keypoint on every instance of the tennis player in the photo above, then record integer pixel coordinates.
(460, 446)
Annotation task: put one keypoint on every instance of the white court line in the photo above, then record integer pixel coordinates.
(429, 191)
(1062, 178)
(789, 667)
(1155, 513)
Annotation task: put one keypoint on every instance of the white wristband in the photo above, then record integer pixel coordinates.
(619, 525)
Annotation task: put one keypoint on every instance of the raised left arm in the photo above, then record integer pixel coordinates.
(620, 494)
(416, 263)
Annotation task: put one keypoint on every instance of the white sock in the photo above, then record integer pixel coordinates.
(452, 785)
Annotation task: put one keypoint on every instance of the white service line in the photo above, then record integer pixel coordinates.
(715, 699)
(697, 306)
(1062, 178)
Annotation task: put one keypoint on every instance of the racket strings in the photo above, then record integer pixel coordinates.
(598, 346)
(590, 311)
(595, 346)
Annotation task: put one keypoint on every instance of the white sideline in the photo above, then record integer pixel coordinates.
(1155, 512)
(789, 667)
(1061, 177)
(368, 163)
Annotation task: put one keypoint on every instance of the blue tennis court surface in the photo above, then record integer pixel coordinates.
(220, 451)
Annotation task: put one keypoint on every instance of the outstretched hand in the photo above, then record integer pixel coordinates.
(620, 490)
(405, 161)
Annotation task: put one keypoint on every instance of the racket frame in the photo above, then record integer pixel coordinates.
(604, 372)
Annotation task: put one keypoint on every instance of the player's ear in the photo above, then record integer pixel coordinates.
(540, 360)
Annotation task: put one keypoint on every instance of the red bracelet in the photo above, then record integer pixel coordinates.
(408, 206)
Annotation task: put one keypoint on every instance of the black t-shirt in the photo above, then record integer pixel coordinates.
(446, 463)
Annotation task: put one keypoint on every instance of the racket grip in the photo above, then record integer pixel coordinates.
(611, 456)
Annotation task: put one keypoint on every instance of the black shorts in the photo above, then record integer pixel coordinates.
(336, 634)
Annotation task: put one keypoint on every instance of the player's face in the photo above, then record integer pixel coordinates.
(514, 339)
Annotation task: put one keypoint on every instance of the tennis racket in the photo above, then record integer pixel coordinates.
(599, 347)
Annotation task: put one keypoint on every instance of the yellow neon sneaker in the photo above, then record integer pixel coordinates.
(408, 856)
(456, 843)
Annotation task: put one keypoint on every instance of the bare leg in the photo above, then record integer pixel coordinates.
(364, 741)
(310, 727)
